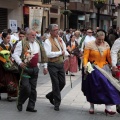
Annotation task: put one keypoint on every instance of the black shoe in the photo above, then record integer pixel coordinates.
(118, 111)
(9, 99)
(0, 97)
(79, 69)
(19, 107)
(118, 108)
(72, 75)
(56, 108)
(31, 110)
(50, 99)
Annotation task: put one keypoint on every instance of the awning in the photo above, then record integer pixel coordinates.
(105, 17)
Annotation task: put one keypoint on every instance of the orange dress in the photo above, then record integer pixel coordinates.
(99, 55)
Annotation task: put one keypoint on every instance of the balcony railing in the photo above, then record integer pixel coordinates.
(34, 0)
(43, 1)
(79, 6)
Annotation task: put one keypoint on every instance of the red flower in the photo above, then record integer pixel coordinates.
(60, 41)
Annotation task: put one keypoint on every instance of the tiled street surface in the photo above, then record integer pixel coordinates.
(73, 107)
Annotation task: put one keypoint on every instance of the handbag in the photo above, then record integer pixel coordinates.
(76, 52)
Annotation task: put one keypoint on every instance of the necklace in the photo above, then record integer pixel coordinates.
(100, 48)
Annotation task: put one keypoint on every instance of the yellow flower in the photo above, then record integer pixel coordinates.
(13, 41)
(5, 52)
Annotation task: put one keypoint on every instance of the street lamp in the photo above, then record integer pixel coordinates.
(99, 4)
(66, 12)
(113, 10)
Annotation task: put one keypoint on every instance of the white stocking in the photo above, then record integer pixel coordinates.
(108, 107)
(91, 107)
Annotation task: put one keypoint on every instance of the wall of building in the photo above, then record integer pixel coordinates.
(118, 18)
(16, 14)
(14, 11)
(55, 17)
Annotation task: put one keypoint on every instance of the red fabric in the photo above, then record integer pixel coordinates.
(66, 65)
(34, 60)
(71, 64)
(118, 75)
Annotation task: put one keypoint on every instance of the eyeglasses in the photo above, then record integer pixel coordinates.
(89, 32)
(21, 36)
(55, 30)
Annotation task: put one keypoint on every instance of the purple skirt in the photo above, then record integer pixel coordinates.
(98, 90)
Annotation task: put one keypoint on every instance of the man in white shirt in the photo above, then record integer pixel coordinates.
(68, 34)
(115, 56)
(56, 50)
(26, 54)
(89, 37)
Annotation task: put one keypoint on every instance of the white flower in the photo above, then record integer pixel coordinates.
(89, 67)
(28, 56)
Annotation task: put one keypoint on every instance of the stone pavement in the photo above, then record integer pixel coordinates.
(73, 107)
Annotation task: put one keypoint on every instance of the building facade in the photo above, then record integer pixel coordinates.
(84, 14)
(118, 10)
(10, 10)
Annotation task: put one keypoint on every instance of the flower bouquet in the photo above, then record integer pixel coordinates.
(28, 55)
(6, 62)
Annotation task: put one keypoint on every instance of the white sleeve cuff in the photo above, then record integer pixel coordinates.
(44, 65)
(19, 62)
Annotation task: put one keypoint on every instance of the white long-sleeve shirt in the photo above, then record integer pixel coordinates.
(114, 50)
(48, 49)
(89, 39)
(34, 47)
(68, 37)
(78, 40)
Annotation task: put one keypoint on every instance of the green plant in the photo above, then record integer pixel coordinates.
(66, 12)
(100, 1)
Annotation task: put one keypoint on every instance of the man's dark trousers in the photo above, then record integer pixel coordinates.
(57, 74)
(27, 87)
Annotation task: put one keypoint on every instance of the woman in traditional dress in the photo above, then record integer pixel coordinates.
(72, 47)
(78, 40)
(95, 86)
(8, 80)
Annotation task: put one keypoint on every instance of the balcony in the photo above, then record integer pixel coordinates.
(79, 6)
(33, 2)
(42, 3)
(59, 3)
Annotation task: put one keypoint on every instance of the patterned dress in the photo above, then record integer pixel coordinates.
(8, 80)
(71, 64)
